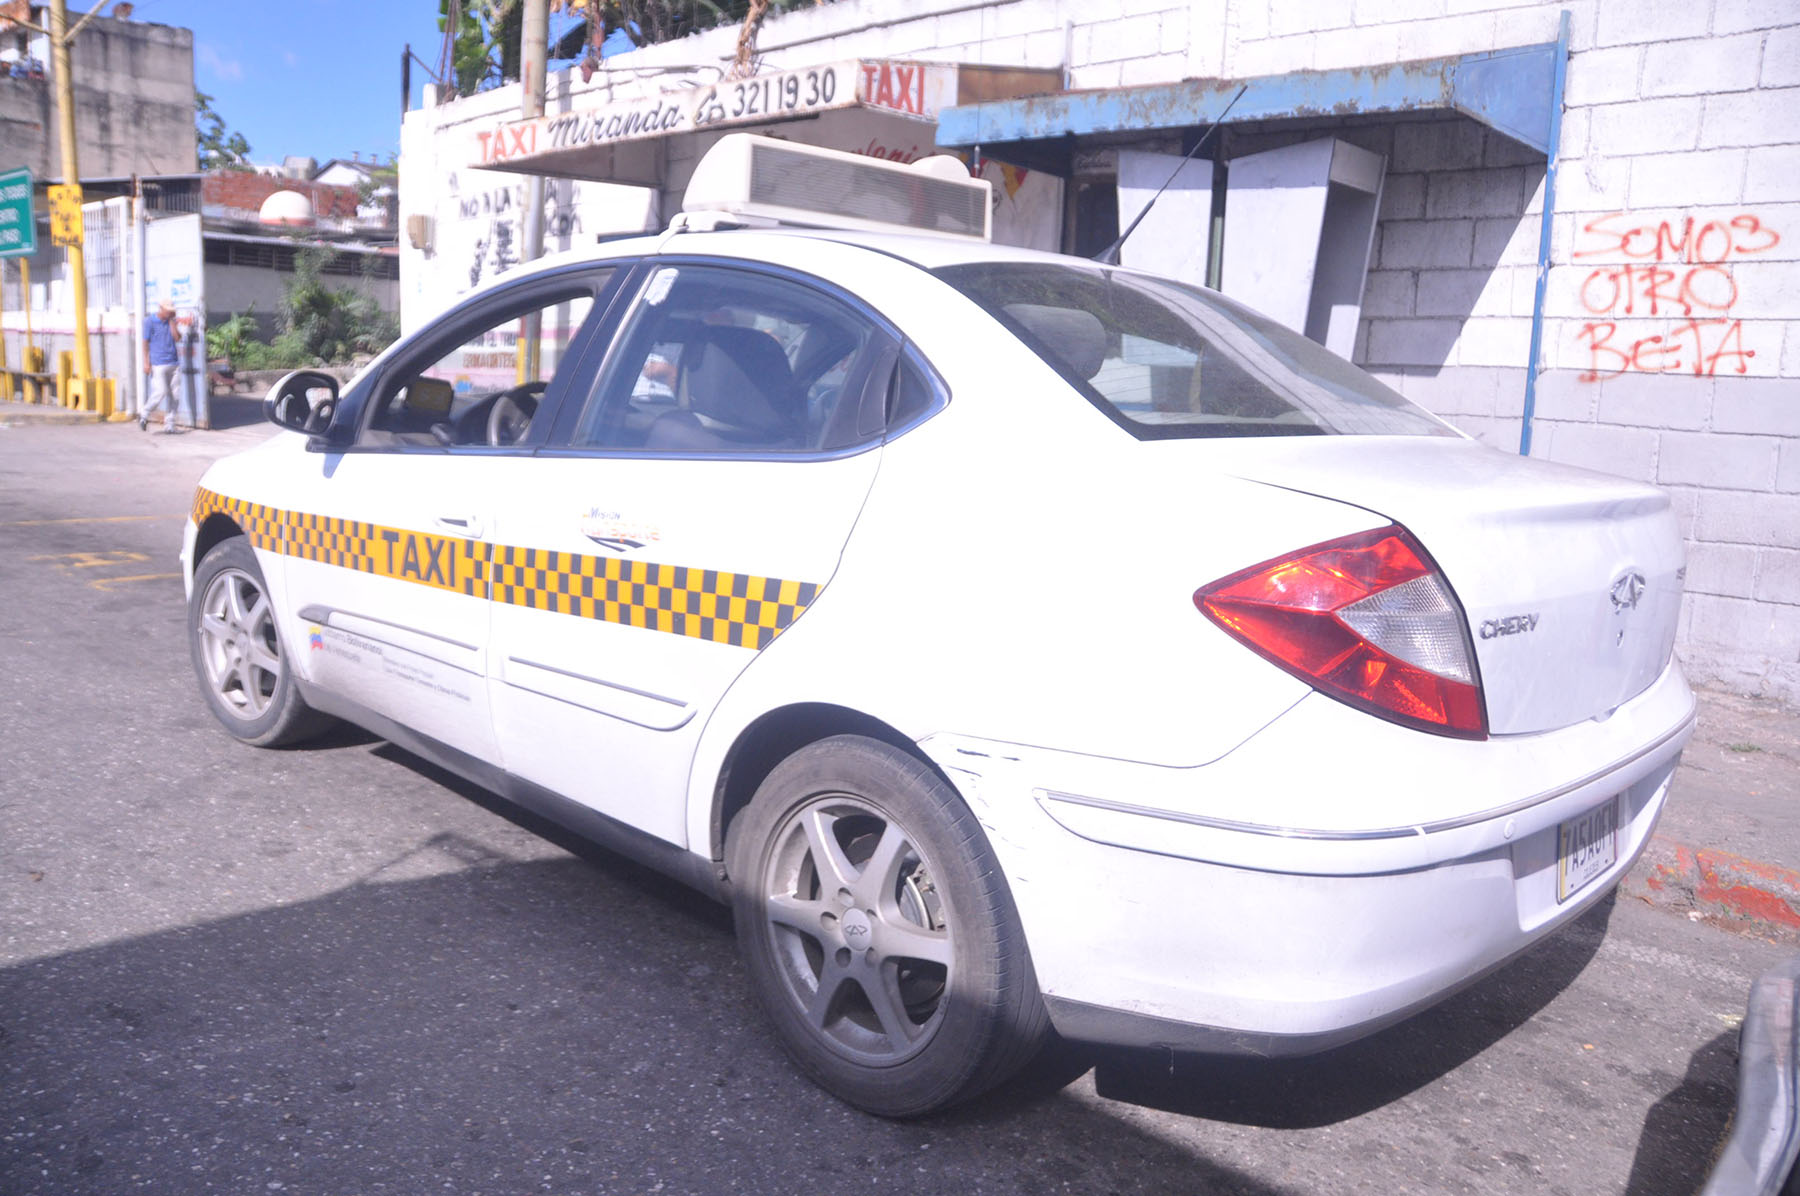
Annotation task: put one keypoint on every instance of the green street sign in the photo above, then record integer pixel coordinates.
(18, 223)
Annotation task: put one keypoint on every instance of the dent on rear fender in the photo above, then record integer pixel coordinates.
(971, 770)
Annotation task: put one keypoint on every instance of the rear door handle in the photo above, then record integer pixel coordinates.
(462, 525)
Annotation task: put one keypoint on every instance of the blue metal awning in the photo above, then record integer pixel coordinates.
(1512, 90)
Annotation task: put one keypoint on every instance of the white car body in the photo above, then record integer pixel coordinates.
(1204, 850)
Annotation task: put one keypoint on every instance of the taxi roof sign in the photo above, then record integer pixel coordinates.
(789, 183)
(18, 220)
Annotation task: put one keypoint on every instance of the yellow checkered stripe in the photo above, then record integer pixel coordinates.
(723, 608)
(261, 525)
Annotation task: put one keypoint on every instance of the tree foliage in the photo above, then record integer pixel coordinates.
(317, 324)
(486, 41)
(332, 323)
(218, 147)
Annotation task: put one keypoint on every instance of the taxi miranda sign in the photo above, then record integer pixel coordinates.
(906, 88)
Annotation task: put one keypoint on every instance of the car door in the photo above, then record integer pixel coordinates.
(389, 549)
(683, 518)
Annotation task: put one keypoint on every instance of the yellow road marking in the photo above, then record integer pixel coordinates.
(87, 519)
(89, 560)
(107, 583)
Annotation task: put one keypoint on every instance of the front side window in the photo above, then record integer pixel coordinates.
(1164, 359)
(483, 385)
(715, 360)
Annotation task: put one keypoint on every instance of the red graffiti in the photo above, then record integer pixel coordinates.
(1712, 242)
(1658, 290)
(1693, 346)
(1675, 269)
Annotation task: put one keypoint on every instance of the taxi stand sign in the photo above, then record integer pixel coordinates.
(18, 220)
(917, 90)
(65, 213)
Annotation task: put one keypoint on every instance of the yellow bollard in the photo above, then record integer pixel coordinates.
(65, 370)
(34, 364)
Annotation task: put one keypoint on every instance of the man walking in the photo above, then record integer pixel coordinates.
(159, 365)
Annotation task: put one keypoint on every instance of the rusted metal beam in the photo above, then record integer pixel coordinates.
(1508, 89)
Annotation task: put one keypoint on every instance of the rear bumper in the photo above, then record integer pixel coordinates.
(1151, 925)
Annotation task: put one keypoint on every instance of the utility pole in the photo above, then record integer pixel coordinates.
(71, 172)
(534, 49)
(60, 36)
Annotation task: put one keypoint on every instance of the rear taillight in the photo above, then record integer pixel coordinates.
(1367, 619)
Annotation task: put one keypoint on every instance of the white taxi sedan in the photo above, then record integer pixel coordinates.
(1013, 641)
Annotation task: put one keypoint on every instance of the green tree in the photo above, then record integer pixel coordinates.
(485, 36)
(318, 324)
(468, 44)
(330, 323)
(219, 148)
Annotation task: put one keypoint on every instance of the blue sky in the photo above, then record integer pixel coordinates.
(317, 78)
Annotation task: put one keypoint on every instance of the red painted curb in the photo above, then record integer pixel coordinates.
(1758, 892)
(1718, 884)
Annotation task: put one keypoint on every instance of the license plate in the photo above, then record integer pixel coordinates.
(1586, 847)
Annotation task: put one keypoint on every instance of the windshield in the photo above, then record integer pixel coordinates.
(1167, 360)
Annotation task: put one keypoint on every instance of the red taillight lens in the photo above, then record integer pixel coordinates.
(1367, 619)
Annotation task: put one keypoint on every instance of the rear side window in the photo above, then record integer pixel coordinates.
(719, 361)
(1166, 360)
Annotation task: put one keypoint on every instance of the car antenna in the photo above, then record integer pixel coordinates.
(1110, 255)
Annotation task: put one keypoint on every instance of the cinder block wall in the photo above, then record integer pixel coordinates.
(1671, 348)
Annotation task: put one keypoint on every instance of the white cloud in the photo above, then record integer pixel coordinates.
(219, 66)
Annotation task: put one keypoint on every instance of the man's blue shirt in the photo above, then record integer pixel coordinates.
(159, 337)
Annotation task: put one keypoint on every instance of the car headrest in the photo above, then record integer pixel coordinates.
(741, 378)
(1076, 337)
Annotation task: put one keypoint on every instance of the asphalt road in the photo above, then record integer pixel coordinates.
(338, 970)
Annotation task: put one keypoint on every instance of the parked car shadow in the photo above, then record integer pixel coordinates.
(1308, 1092)
(1685, 1130)
(1352, 1080)
(494, 1025)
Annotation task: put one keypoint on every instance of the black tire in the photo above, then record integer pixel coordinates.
(909, 987)
(237, 652)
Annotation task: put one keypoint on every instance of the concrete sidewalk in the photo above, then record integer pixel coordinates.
(1728, 845)
(226, 412)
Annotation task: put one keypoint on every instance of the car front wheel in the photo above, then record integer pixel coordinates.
(243, 673)
(879, 934)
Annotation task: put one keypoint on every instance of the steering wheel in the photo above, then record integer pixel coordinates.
(511, 414)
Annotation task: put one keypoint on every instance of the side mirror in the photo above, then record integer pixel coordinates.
(302, 401)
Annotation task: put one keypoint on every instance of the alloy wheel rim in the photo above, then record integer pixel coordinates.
(861, 938)
(238, 647)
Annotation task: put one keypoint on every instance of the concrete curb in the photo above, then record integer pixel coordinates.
(1720, 887)
(44, 413)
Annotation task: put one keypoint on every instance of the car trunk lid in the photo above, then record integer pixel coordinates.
(1571, 580)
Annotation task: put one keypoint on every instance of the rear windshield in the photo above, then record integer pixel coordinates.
(1166, 360)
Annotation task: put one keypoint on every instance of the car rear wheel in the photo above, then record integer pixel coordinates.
(880, 937)
(243, 673)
